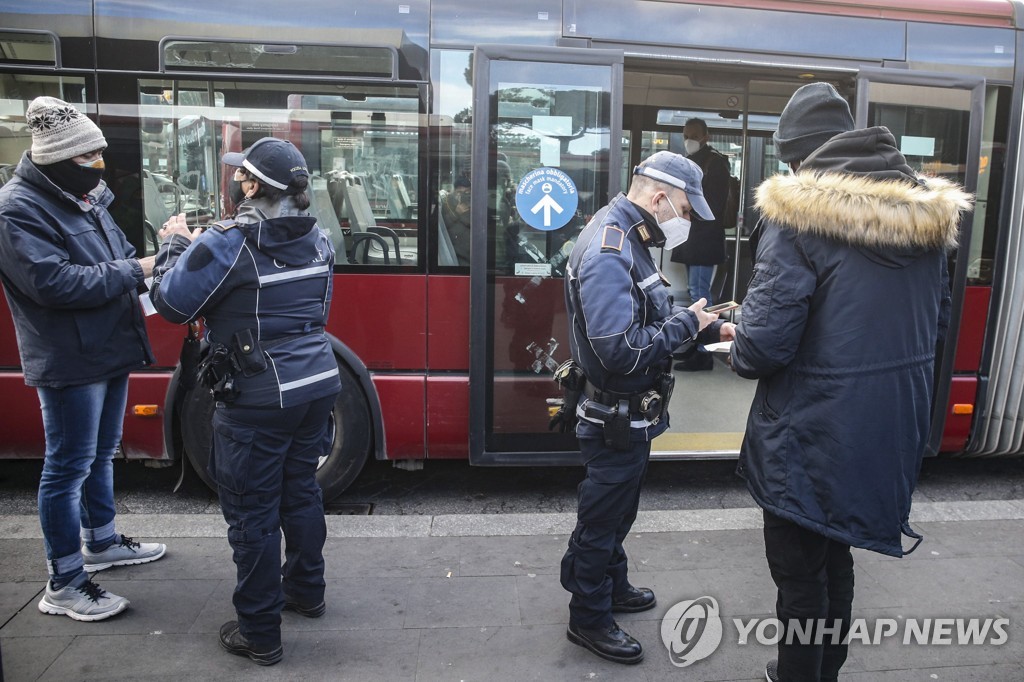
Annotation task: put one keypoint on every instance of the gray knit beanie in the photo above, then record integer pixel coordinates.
(60, 131)
(814, 115)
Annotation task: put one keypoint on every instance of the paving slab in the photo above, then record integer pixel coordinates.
(462, 607)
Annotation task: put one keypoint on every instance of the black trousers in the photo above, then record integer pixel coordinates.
(814, 576)
(594, 565)
(264, 462)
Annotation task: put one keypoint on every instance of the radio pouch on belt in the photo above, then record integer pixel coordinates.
(249, 353)
(616, 429)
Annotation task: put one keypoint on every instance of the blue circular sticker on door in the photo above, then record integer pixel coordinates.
(546, 198)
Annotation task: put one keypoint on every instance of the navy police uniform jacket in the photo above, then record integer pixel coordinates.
(840, 323)
(271, 276)
(70, 277)
(623, 328)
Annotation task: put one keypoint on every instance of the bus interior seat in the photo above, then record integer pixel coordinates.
(321, 207)
(445, 249)
(7, 172)
(153, 204)
(361, 219)
(399, 205)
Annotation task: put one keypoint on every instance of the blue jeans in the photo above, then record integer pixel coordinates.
(76, 491)
(700, 281)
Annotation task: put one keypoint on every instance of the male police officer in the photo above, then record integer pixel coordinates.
(624, 329)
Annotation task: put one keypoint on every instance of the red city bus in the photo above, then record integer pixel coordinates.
(448, 313)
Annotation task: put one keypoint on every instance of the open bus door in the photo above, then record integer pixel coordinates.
(547, 146)
(937, 119)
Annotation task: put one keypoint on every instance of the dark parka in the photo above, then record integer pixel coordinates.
(70, 277)
(847, 302)
(706, 243)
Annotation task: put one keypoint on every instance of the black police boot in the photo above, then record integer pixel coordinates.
(698, 362)
(234, 642)
(610, 643)
(314, 611)
(633, 600)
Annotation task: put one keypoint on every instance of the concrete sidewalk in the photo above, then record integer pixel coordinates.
(477, 597)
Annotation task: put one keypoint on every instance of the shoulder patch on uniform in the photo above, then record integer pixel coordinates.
(224, 225)
(612, 238)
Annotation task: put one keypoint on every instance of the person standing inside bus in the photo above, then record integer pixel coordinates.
(705, 248)
(454, 206)
(841, 414)
(623, 331)
(263, 284)
(71, 280)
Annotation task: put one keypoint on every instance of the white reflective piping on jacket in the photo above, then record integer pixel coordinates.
(294, 274)
(299, 383)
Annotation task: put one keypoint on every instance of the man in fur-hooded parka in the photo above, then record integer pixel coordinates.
(847, 302)
(840, 323)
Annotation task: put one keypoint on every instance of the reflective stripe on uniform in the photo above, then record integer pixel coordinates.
(294, 274)
(299, 383)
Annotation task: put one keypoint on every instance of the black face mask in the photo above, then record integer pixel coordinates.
(235, 192)
(72, 178)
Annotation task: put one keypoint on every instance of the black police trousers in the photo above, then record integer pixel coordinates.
(814, 576)
(264, 463)
(594, 565)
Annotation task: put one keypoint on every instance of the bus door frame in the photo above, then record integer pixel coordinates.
(483, 181)
(958, 278)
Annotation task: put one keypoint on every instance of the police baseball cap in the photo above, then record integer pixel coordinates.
(275, 162)
(679, 172)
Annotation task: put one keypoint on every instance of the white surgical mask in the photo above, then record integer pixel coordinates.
(691, 146)
(676, 230)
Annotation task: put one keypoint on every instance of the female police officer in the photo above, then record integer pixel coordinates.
(263, 285)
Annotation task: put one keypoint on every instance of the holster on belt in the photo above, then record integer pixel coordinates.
(571, 378)
(217, 372)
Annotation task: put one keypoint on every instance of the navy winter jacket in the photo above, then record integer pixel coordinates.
(270, 274)
(623, 328)
(70, 277)
(840, 325)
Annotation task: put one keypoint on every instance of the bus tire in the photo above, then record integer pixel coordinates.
(351, 440)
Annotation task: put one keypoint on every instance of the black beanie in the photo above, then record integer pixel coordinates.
(814, 115)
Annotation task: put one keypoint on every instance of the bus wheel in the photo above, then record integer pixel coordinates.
(350, 430)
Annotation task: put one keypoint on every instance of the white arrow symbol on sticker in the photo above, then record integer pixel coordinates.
(547, 203)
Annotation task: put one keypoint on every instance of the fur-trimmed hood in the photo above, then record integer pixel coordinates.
(857, 189)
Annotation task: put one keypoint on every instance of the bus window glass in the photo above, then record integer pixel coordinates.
(985, 226)
(17, 90)
(28, 48)
(337, 60)
(453, 98)
(361, 145)
(544, 123)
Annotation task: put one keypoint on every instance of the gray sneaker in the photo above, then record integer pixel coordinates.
(126, 553)
(86, 602)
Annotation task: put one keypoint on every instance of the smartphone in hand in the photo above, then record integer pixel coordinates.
(722, 307)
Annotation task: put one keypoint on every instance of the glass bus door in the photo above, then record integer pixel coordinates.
(937, 120)
(547, 131)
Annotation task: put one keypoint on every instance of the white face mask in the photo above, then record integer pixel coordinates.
(691, 146)
(676, 230)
